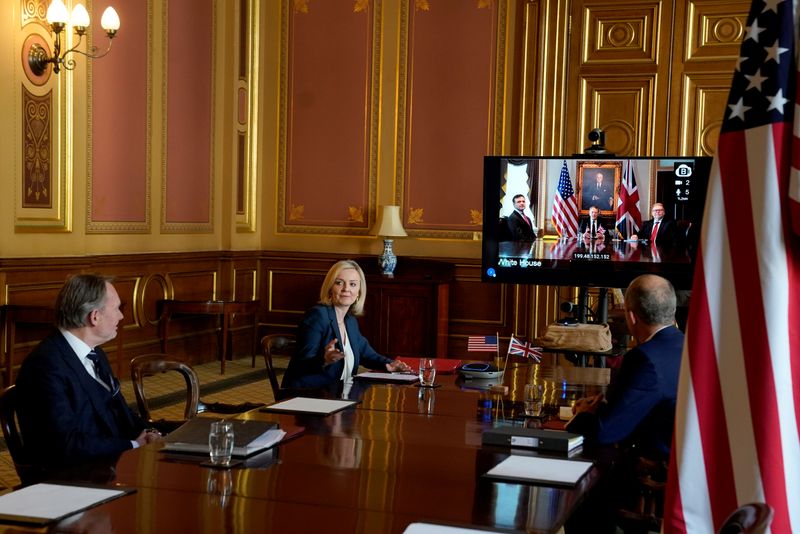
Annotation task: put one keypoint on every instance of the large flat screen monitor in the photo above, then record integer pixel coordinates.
(553, 240)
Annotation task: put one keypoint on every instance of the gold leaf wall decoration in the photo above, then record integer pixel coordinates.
(422, 5)
(475, 217)
(360, 5)
(484, 4)
(355, 214)
(296, 213)
(301, 6)
(415, 215)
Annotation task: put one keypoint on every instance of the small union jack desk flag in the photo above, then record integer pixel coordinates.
(523, 348)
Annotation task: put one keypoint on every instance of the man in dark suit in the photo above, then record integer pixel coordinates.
(71, 410)
(638, 413)
(520, 226)
(592, 227)
(658, 230)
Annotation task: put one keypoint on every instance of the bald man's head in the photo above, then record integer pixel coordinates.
(652, 299)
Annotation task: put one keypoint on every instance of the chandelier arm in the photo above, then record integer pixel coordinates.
(93, 54)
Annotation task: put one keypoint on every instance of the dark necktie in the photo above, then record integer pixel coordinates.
(654, 232)
(527, 220)
(102, 374)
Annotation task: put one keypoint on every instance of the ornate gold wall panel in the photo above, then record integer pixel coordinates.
(624, 107)
(619, 75)
(714, 30)
(704, 99)
(621, 33)
(246, 124)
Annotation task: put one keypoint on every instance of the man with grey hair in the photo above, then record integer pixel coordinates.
(638, 413)
(639, 409)
(71, 410)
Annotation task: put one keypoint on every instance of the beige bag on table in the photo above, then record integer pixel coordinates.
(579, 337)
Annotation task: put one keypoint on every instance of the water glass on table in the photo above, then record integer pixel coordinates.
(220, 442)
(427, 372)
(533, 400)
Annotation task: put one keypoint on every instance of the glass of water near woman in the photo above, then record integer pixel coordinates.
(427, 372)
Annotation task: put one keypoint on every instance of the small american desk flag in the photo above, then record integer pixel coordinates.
(482, 344)
(738, 411)
(565, 208)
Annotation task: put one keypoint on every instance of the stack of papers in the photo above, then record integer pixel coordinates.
(41, 504)
(309, 405)
(249, 437)
(540, 469)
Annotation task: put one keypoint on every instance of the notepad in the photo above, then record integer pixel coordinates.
(309, 405)
(388, 377)
(41, 504)
(249, 437)
(540, 469)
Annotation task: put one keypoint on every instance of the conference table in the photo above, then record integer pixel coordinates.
(402, 455)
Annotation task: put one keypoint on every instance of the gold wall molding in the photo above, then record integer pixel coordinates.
(715, 30)
(288, 215)
(704, 95)
(248, 138)
(122, 227)
(621, 33)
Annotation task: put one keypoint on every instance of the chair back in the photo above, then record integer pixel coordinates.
(154, 364)
(27, 472)
(274, 345)
(753, 518)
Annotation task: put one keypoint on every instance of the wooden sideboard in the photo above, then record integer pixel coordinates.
(408, 314)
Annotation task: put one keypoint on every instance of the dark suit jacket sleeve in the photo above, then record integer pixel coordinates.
(365, 354)
(59, 420)
(307, 366)
(634, 394)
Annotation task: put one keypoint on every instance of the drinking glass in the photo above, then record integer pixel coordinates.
(220, 442)
(533, 400)
(427, 372)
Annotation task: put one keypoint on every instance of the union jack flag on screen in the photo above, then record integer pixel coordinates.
(482, 343)
(629, 216)
(738, 414)
(517, 347)
(565, 207)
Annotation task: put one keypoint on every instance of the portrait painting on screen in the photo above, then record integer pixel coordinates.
(598, 185)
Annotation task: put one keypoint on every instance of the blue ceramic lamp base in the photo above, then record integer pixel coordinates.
(387, 260)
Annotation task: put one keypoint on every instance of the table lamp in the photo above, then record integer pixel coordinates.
(390, 226)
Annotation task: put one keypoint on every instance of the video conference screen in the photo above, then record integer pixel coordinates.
(587, 221)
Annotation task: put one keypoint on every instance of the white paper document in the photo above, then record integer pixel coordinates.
(388, 377)
(540, 469)
(430, 528)
(310, 405)
(52, 501)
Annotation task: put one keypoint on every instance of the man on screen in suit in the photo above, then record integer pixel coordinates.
(520, 226)
(658, 230)
(592, 228)
(71, 410)
(637, 414)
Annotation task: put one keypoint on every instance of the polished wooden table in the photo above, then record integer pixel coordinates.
(224, 310)
(395, 459)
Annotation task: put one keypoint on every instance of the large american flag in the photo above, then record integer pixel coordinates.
(565, 208)
(736, 429)
(629, 217)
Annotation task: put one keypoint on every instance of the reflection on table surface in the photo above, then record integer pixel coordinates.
(575, 248)
(404, 454)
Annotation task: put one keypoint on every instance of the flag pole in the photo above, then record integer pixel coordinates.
(505, 362)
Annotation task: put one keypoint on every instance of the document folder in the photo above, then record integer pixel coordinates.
(532, 438)
(249, 437)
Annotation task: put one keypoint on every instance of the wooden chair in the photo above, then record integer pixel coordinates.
(645, 511)
(153, 364)
(753, 518)
(275, 345)
(28, 473)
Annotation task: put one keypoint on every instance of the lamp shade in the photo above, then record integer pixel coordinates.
(390, 225)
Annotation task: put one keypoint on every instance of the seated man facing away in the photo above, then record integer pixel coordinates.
(71, 410)
(638, 412)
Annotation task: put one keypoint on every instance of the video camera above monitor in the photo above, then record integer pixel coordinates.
(537, 227)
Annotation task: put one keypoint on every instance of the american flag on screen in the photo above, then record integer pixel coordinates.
(518, 347)
(629, 217)
(736, 428)
(482, 343)
(565, 208)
